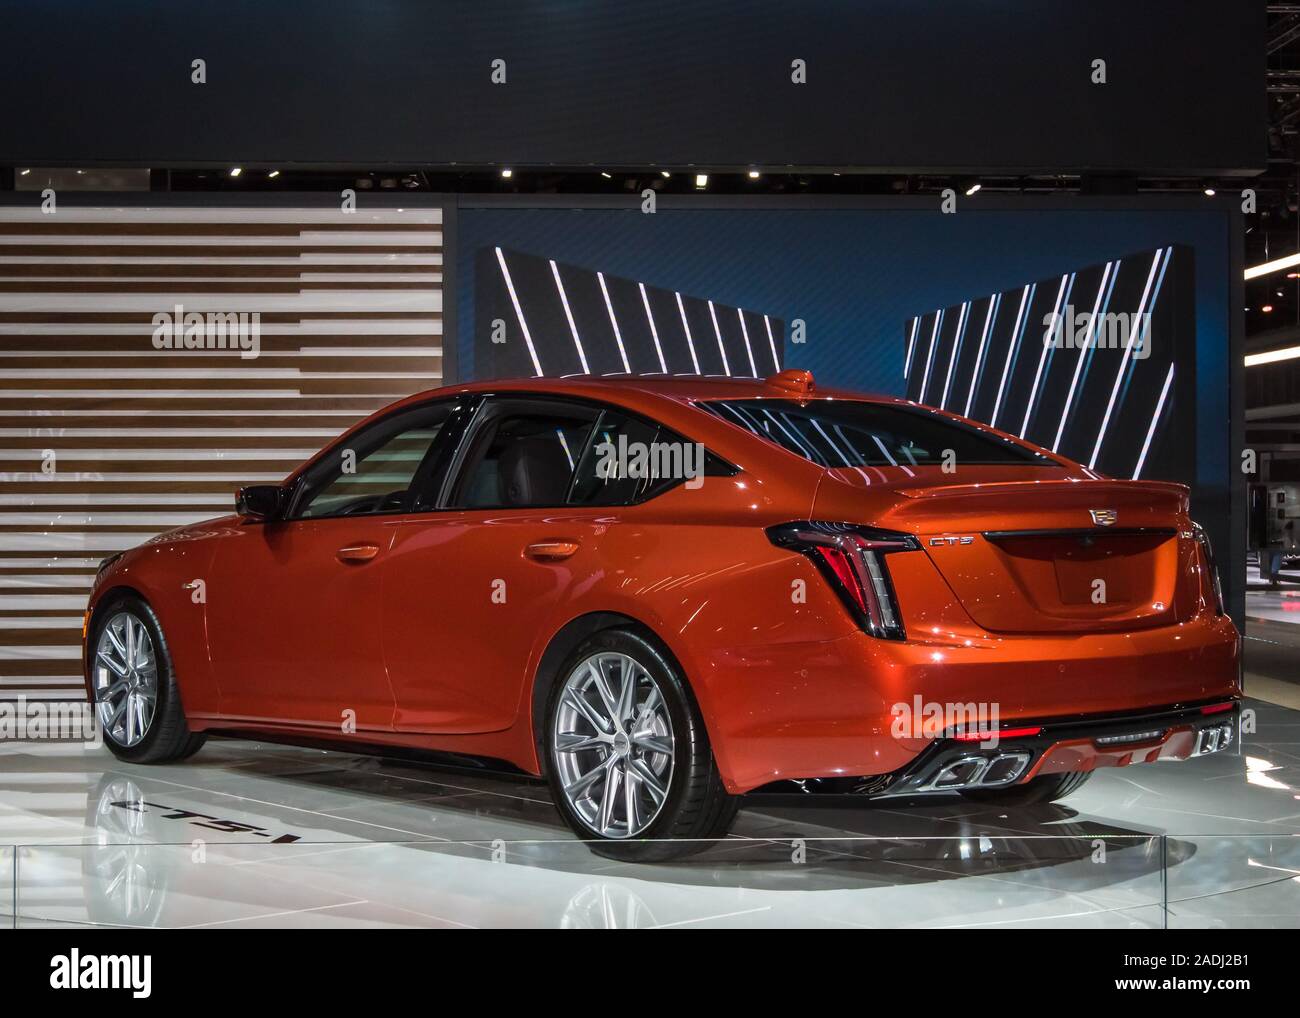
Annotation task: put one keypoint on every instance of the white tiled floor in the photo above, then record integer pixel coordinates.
(251, 834)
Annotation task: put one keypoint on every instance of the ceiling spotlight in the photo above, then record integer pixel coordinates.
(607, 176)
(1293, 275)
(1209, 192)
(664, 173)
(753, 174)
(23, 173)
(1267, 308)
(273, 174)
(701, 180)
(235, 171)
(507, 174)
(972, 189)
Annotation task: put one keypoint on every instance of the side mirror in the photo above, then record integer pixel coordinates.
(260, 501)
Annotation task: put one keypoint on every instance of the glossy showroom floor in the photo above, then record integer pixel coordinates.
(248, 834)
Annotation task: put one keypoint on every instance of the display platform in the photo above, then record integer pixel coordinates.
(248, 834)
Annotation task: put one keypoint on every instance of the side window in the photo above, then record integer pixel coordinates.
(523, 456)
(616, 466)
(377, 470)
(631, 459)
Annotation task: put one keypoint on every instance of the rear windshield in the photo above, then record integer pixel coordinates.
(838, 433)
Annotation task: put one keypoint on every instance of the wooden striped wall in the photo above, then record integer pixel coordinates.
(146, 439)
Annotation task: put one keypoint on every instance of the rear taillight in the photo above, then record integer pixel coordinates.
(1216, 586)
(852, 559)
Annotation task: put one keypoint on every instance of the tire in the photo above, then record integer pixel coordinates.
(1042, 789)
(695, 805)
(166, 736)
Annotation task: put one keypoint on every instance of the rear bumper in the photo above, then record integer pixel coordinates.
(829, 709)
(952, 764)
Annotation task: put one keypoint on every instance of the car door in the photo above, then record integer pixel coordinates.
(468, 588)
(294, 624)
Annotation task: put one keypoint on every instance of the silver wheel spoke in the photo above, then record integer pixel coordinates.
(583, 707)
(571, 742)
(627, 693)
(578, 787)
(612, 745)
(609, 796)
(651, 780)
(113, 666)
(630, 806)
(653, 743)
(602, 682)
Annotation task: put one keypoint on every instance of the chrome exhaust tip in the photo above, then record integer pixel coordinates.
(979, 771)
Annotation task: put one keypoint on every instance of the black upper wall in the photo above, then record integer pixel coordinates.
(893, 85)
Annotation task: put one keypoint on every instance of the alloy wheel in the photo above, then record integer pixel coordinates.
(612, 742)
(126, 679)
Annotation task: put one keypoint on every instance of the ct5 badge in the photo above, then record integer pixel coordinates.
(939, 542)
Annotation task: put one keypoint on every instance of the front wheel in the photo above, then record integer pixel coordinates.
(628, 758)
(1044, 788)
(136, 698)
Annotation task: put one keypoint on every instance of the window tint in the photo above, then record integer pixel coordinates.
(374, 471)
(630, 459)
(522, 459)
(852, 434)
(602, 477)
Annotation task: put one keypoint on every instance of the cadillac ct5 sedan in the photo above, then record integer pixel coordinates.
(662, 594)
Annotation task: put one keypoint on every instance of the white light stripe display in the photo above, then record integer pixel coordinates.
(654, 332)
(690, 341)
(1160, 260)
(718, 332)
(962, 317)
(1083, 351)
(519, 311)
(771, 342)
(568, 314)
(1017, 332)
(1062, 293)
(753, 368)
(929, 357)
(618, 336)
(1155, 419)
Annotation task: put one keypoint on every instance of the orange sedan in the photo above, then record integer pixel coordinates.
(664, 593)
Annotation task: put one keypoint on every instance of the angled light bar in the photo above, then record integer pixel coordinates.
(1286, 353)
(573, 328)
(519, 312)
(654, 333)
(618, 336)
(1276, 265)
(690, 341)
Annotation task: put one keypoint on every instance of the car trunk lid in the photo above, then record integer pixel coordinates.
(1051, 555)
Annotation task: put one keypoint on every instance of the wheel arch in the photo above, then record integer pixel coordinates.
(95, 610)
(565, 641)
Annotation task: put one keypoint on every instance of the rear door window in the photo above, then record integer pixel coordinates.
(523, 455)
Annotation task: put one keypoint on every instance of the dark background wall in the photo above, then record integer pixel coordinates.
(891, 84)
(856, 276)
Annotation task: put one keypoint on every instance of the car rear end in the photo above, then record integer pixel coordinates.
(1015, 614)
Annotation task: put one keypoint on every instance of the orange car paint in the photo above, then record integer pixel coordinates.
(290, 636)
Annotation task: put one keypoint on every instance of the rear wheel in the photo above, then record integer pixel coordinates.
(136, 699)
(1044, 788)
(628, 758)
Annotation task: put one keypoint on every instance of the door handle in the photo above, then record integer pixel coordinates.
(550, 551)
(357, 553)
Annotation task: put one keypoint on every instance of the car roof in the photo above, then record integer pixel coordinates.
(629, 389)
